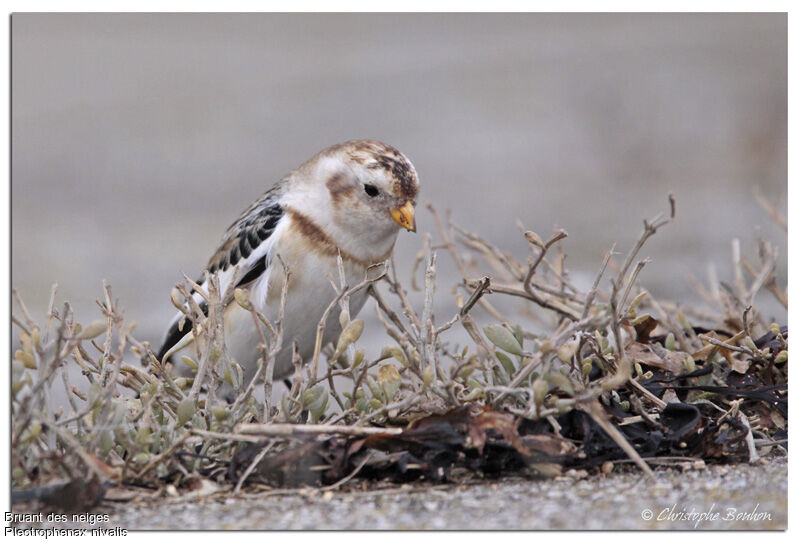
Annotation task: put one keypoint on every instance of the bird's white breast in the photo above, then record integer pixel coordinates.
(309, 294)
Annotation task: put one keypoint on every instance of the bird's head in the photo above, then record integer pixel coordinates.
(373, 181)
(365, 191)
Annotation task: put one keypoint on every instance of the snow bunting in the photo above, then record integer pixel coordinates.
(350, 199)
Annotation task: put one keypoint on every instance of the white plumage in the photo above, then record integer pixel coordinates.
(351, 200)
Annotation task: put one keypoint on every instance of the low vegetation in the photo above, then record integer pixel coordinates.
(617, 376)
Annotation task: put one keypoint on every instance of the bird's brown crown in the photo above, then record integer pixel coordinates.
(373, 154)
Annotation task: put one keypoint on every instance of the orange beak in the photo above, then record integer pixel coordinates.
(405, 216)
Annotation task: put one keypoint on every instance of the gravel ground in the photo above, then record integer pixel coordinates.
(618, 501)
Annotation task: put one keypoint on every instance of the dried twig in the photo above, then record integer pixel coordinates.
(288, 429)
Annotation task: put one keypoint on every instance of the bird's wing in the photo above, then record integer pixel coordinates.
(243, 255)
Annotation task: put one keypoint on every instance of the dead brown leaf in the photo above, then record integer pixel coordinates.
(657, 356)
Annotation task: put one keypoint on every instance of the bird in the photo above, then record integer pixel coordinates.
(350, 200)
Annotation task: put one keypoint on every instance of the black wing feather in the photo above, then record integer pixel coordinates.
(253, 227)
(177, 331)
(255, 271)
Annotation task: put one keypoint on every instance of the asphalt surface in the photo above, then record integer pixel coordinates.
(714, 497)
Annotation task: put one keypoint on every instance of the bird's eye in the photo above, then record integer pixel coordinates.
(371, 190)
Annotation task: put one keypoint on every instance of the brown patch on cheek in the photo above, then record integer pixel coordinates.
(339, 188)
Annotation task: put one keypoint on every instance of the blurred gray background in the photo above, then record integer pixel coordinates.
(137, 139)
